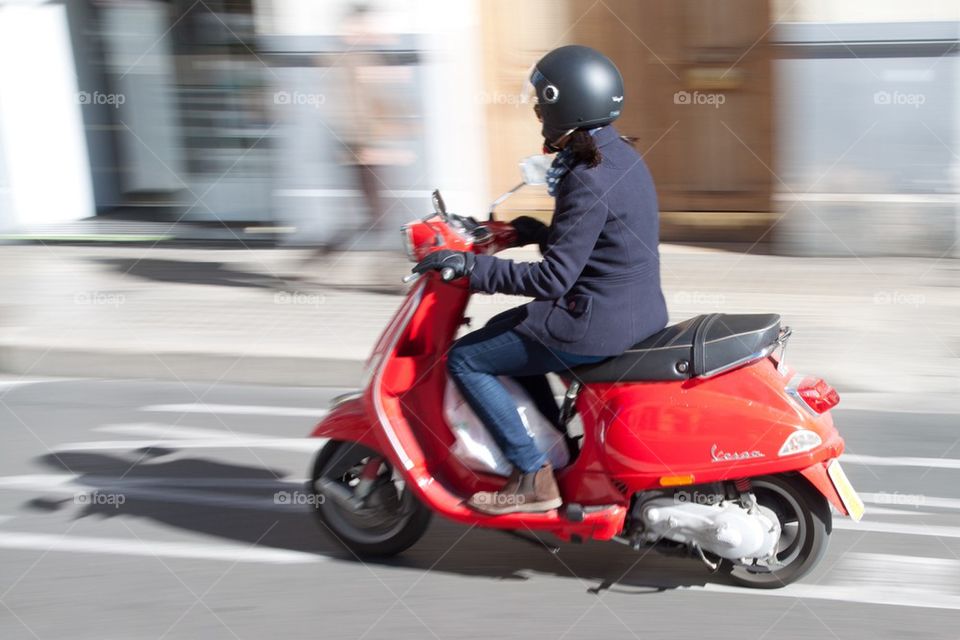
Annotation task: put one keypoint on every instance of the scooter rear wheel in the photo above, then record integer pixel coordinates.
(387, 520)
(805, 523)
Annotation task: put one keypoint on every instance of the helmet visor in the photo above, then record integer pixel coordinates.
(528, 92)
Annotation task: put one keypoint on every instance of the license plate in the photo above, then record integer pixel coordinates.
(848, 495)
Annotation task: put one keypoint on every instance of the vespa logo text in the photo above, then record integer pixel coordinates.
(719, 455)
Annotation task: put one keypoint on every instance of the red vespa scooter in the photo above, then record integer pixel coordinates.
(699, 440)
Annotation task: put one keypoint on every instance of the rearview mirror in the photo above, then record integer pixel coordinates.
(534, 171)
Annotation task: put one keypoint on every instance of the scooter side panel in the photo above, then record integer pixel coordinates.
(721, 428)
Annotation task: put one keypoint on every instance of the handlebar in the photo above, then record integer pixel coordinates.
(446, 275)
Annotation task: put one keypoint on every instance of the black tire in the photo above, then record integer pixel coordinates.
(392, 526)
(800, 509)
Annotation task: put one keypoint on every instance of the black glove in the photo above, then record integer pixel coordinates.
(530, 231)
(460, 263)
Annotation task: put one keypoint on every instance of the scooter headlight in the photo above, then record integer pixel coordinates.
(800, 441)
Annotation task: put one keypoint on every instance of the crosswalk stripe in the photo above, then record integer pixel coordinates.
(161, 430)
(917, 573)
(288, 496)
(903, 511)
(9, 384)
(934, 530)
(282, 444)
(895, 461)
(53, 481)
(876, 578)
(134, 547)
(845, 593)
(237, 409)
(908, 501)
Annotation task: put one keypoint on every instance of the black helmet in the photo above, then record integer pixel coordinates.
(575, 87)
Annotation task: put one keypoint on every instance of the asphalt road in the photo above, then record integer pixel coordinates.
(148, 510)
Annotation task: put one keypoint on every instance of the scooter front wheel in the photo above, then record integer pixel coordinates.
(362, 504)
(805, 524)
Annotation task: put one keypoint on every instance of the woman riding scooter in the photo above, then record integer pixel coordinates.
(597, 290)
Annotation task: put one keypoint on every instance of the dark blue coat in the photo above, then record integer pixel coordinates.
(597, 289)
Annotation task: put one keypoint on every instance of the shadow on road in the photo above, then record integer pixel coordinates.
(237, 502)
(192, 272)
(219, 274)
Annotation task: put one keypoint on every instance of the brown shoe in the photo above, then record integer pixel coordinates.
(523, 493)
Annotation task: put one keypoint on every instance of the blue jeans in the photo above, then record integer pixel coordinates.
(478, 358)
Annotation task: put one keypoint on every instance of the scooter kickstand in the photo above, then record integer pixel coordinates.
(531, 540)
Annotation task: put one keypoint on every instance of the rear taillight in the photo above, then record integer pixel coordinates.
(814, 393)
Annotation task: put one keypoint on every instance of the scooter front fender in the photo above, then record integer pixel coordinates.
(349, 421)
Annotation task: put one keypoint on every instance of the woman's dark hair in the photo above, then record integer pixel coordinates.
(585, 148)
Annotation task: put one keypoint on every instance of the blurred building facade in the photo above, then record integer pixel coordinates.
(239, 111)
(818, 127)
(869, 127)
(698, 98)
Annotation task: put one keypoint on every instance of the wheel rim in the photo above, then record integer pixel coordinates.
(386, 509)
(794, 530)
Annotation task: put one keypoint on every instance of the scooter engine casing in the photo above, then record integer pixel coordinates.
(725, 529)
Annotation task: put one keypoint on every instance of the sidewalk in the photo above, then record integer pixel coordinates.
(877, 324)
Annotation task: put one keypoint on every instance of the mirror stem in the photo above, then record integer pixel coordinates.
(502, 198)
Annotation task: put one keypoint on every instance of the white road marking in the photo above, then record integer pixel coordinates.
(913, 403)
(160, 430)
(42, 482)
(903, 511)
(875, 578)
(180, 437)
(282, 444)
(845, 593)
(174, 490)
(915, 573)
(237, 409)
(934, 530)
(890, 461)
(128, 547)
(908, 500)
(9, 384)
